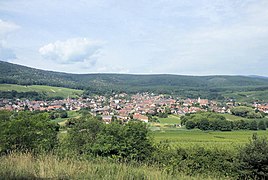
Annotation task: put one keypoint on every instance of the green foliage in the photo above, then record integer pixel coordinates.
(162, 115)
(261, 125)
(58, 114)
(63, 114)
(253, 158)
(19, 95)
(206, 121)
(213, 121)
(247, 112)
(253, 125)
(196, 160)
(130, 141)
(241, 124)
(5, 115)
(190, 125)
(28, 132)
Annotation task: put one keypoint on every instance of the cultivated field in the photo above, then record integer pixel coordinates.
(49, 90)
(189, 138)
(176, 136)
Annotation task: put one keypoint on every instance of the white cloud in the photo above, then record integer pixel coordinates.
(6, 28)
(72, 51)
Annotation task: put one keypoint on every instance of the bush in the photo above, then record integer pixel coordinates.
(253, 158)
(63, 114)
(195, 160)
(253, 125)
(261, 125)
(28, 132)
(203, 124)
(190, 125)
(129, 142)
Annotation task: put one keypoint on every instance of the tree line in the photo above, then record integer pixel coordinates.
(216, 122)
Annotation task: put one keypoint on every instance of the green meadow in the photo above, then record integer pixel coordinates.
(171, 119)
(166, 132)
(50, 91)
(181, 137)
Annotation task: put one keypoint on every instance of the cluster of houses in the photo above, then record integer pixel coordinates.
(124, 107)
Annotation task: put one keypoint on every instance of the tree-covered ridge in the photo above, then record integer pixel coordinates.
(211, 87)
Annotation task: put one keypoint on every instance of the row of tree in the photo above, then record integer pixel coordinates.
(31, 95)
(212, 121)
(247, 112)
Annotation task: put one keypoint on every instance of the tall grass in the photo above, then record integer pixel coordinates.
(27, 166)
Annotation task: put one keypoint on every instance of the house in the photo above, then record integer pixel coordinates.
(107, 119)
(141, 117)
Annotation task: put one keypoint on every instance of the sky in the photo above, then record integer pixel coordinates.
(188, 37)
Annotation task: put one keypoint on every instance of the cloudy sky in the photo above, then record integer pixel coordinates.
(197, 37)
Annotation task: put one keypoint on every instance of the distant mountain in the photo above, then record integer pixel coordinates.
(192, 86)
(256, 76)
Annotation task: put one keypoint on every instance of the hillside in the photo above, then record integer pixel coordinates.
(48, 91)
(190, 86)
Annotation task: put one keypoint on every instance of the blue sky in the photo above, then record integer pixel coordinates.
(193, 37)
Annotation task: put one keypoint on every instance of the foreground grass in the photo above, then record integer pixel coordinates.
(208, 139)
(26, 166)
(49, 90)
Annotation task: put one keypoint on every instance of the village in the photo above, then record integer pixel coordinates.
(125, 107)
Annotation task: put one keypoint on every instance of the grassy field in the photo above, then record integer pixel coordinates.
(27, 166)
(49, 90)
(71, 114)
(172, 119)
(181, 137)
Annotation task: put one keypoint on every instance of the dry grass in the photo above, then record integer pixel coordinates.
(26, 166)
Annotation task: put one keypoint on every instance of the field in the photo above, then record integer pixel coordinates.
(172, 119)
(176, 136)
(49, 90)
(181, 137)
(71, 114)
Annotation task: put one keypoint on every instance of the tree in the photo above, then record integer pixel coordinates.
(203, 125)
(63, 114)
(190, 125)
(261, 125)
(241, 111)
(28, 132)
(128, 142)
(253, 125)
(5, 115)
(241, 124)
(225, 125)
(253, 159)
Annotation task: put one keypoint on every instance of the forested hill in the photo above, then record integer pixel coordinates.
(99, 83)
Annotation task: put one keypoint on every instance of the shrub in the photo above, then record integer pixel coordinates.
(261, 125)
(253, 158)
(92, 137)
(190, 125)
(28, 132)
(253, 125)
